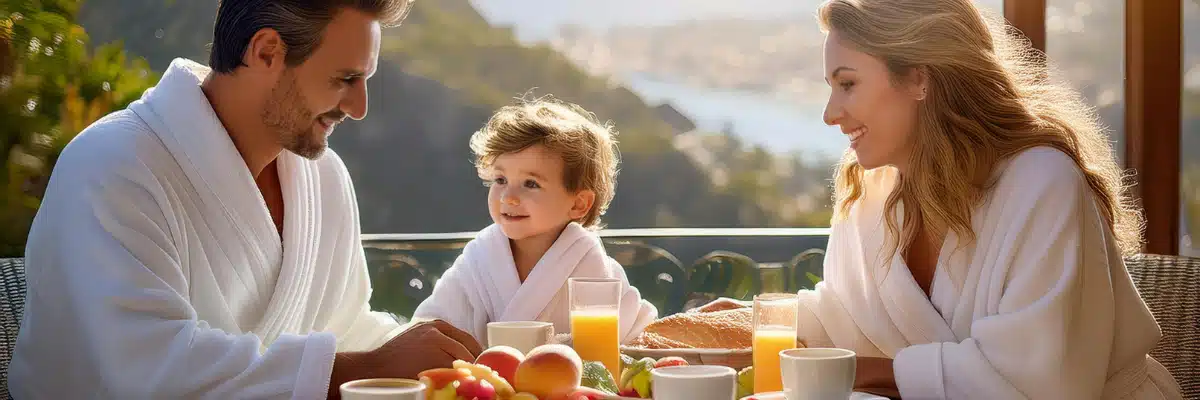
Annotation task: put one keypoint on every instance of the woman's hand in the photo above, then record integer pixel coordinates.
(720, 304)
(875, 375)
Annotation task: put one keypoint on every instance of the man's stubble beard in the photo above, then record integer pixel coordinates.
(286, 115)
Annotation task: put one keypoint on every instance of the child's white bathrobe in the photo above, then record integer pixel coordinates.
(156, 272)
(1040, 306)
(482, 286)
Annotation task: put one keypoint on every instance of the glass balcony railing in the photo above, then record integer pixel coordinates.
(673, 268)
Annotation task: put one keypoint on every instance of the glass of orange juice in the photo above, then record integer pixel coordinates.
(595, 327)
(774, 331)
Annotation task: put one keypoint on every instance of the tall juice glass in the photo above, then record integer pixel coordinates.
(774, 331)
(595, 326)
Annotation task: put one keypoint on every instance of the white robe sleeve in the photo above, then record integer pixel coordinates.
(356, 326)
(363, 329)
(452, 303)
(1051, 334)
(822, 314)
(632, 304)
(810, 330)
(108, 284)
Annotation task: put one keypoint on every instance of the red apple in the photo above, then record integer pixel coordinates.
(473, 388)
(502, 359)
(670, 362)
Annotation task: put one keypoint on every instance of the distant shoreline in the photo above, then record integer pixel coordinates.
(778, 125)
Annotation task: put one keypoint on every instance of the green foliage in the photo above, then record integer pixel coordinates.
(51, 87)
(813, 278)
(449, 42)
(775, 183)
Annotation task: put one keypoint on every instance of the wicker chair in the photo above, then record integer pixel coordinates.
(12, 304)
(1170, 286)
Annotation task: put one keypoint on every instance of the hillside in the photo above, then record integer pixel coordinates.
(443, 72)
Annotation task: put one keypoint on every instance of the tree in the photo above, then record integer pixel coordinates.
(52, 86)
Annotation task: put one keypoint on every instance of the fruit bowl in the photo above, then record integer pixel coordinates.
(548, 372)
(733, 358)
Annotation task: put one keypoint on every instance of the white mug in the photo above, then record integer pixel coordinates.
(818, 373)
(694, 382)
(521, 335)
(383, 389)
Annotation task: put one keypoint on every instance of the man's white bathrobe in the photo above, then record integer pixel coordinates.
(155, 270)
(482, 286)
(1039, 306)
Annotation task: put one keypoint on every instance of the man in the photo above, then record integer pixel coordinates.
(204, 243)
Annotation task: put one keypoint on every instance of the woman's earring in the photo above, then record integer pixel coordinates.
(924, 92)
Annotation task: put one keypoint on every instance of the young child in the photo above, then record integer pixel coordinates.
(551, 171)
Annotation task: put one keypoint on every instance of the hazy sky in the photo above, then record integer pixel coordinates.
(534, 19)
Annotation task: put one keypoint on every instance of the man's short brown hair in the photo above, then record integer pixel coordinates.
(300, 23)
(587, 147)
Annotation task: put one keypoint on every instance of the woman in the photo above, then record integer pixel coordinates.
(980, 221)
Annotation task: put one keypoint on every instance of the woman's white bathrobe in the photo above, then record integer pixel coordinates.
(1040, 306)
(482, 286)
(155, 271)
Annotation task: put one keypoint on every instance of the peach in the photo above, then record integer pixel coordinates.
(549, 371)
(502, 359)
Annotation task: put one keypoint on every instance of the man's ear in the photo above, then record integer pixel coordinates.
(266, 51)
(584, 200)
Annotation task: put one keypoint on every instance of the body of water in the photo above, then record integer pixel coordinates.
(758, 119)
(537, 20)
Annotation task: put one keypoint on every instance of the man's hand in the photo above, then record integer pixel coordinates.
(425, 345)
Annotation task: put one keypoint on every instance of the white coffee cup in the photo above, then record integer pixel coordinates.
(521, 335)
(693, 382)
(818, 373)
(383, 389)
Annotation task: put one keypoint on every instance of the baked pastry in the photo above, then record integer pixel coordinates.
(725, 328)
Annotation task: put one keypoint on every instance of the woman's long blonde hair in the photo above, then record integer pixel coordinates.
(989, 97)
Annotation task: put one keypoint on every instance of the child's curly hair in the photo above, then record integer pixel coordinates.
(587, 147)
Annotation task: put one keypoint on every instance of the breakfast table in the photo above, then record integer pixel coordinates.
(714, 352)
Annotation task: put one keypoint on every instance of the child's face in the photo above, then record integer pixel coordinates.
(527, 196)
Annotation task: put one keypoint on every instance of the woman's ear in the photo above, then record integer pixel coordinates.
(918, 80)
